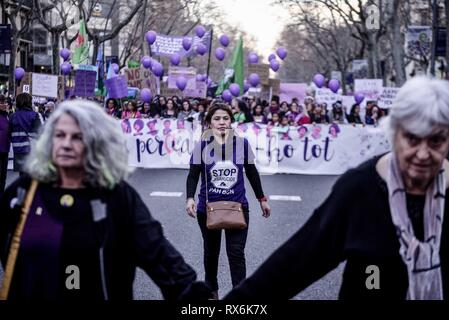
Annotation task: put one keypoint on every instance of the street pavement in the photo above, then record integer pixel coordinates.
(163, 191)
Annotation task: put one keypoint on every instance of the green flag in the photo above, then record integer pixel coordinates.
(81, 53)
(234, 71)
(133, 64)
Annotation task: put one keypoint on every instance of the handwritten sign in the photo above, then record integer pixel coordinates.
(387, 97)
(142, 78)
(44, 85)
(325, 95)
(370, 88)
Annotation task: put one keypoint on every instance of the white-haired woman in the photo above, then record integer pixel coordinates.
(86, 229)
(385, 218)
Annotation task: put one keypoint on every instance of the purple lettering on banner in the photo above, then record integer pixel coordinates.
(85, 83)
(117, 87)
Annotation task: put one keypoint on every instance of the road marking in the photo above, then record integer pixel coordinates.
(285, 198)
(165, 194)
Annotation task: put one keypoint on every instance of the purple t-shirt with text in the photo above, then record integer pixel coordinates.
(224, 167)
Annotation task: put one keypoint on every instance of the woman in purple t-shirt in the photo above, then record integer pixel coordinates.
(225, 182)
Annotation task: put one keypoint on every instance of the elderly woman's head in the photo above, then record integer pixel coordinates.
(72, 139)
(418, 125)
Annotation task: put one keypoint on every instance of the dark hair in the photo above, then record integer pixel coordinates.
(24, 101)
(113, 100)
(188, 102)
(133, 103)
(215, 107)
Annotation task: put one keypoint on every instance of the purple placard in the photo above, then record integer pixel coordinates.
(85, 81)
(117, 86)
(199, 92)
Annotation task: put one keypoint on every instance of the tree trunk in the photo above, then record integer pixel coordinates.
(373, 61)
(12, 65)
(55, 52)
(96, 46)
(343, 79)
(446, 4)
(397, 46)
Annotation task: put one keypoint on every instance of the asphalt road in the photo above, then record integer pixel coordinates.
(264, 236)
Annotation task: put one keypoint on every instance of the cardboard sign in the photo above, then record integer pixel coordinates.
(44, 85)
(189, 73)
(275, 85)
(169, 92)
(25, 84)
(142, 78)
(262, 69)
(325, 95)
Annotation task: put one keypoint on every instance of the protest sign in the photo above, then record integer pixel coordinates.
(325, 95)
(167, 45)
(262, 69)
(199, 92)
(187, 72)
(387, 97)
(117, 87)
(142, 78)
(44, 85)
(369, 88)
(85, 81)
(288, 91)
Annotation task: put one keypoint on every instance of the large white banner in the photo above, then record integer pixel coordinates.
(310, 149)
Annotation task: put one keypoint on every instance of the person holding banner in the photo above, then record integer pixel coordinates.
(171, 111)
(387, 218)
(74, 229)
(131, 111)
(219, 158)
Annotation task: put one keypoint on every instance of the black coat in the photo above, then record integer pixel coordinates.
(354, 225)
(132, 238)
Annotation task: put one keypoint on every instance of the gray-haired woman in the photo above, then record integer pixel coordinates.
(385, 218)
(86, 229)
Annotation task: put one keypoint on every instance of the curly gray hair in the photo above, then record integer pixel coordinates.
(106, 160)
(419, 105)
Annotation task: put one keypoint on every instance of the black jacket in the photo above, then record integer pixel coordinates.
(131, 238)
(353, 224)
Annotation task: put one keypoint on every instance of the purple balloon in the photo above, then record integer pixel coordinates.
(318, 79)
(359, 98)
(115, 67)
(220, 54)
(146, 62)
(201, 49)
(19, 73)
(274, 65)
(175, 59)
(334, 85)
(226, 95)
(281, 52)
(253, 57)
(271, 57)
(181, 83)
(157, 69)
(209, 82)
(200, 31)
(199, 77)
(66, 67)
(145, 95)
(254, 79)
(150, 36)
(245, 86)
(65, 54)
(234, 88)
(186, 43)
(224, 40)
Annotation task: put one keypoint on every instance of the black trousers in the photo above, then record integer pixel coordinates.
(235, 249)
(3, 170)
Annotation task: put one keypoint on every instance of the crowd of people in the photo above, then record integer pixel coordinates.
(71, 205)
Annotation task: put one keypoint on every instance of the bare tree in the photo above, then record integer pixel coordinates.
(13, 11)
(63, 10)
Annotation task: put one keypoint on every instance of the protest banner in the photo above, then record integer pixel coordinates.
(288, 91)
(369, 88)
(85, 81)
(167, 45)
(387, 97)
(418, 40)
(44, 85)
(325, 95)
(117, 87)
(309, 149)
(200, 91)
